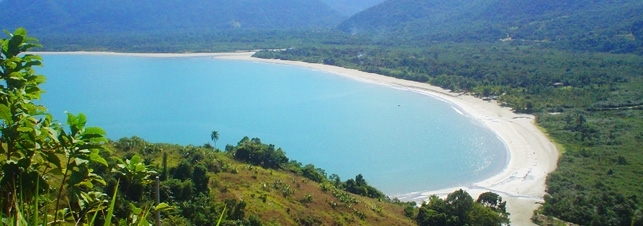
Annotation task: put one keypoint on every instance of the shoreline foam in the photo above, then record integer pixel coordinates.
(531, 155)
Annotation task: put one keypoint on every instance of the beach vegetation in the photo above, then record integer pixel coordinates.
(458, 208)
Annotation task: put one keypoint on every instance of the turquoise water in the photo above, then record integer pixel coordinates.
(401, 141)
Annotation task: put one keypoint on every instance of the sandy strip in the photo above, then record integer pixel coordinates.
(531, 155)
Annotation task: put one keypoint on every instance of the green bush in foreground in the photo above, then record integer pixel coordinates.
(48, 171)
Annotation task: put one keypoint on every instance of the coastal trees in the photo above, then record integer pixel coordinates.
(360, 187)
(254, 152)
(458, 208)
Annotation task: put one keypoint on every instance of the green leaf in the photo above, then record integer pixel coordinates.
(135, 210)
(95, 130)
(52, 158)
(163, 207)
(15, 42)
(87, 184)
(82, 120)
(72, 121)
(17, 76)
(51, 133)
(57, 171)
(136, 159)
(95, 157)
(139, 168)
(144, 221)
(97, 178)
(80, 161)
(20, 31)
(222, 213)
(5, 47)
(94, 134)
(25, 129)
(5, 113)
(110, 211)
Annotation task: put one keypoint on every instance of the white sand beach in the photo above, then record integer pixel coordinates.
(531, 155)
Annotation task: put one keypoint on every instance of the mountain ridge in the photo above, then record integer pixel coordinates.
(351, 7)
(109, 16)
(606, 26)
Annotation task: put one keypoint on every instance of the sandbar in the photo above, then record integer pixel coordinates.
(532, 156)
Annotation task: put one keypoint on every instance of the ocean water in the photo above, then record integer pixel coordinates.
(401, 141)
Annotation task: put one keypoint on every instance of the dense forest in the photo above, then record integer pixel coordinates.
(575, 65)
(64, 174)
(605, 26)
(121, 17)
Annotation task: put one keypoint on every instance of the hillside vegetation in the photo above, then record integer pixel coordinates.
(175, 17)
(606, 26)
(200, 181)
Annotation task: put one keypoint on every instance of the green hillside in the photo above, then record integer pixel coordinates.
(171, 16)
(606, 26)
(199, 181)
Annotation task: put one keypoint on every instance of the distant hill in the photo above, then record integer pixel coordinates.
(351, 7)
(615, 25)
(103, 16)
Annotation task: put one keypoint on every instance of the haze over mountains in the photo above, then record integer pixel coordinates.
(351, 7)
(46, 16)
(608, 26)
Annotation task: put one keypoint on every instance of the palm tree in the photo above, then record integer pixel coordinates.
(214, 136)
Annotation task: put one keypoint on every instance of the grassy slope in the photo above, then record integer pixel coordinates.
(244, 182)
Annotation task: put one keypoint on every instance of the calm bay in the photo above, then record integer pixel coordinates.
(401, 141)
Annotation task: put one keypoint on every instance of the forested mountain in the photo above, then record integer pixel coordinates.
(608, 26)
(104, 17)
(351, 7)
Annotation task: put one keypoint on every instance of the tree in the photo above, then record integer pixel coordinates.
(310, 172)
(460, 203)
(435, 212)
(200, 178)
(133, 174)
(493, 201)
(214, 136)
(458, 208)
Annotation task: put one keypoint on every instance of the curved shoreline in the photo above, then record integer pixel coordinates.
(531, 155)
